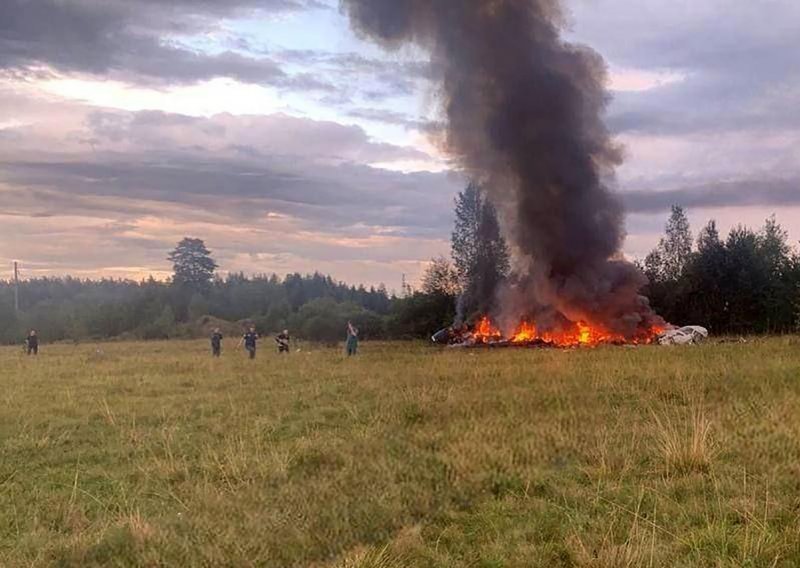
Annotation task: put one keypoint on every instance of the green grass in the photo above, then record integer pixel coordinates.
(150, 454)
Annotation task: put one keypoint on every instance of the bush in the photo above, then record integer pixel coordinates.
(421, 315)
(161, 328)
(326, 320)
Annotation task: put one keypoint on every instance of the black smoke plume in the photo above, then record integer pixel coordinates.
(524, 115)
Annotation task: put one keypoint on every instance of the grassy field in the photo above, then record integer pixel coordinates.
(151, 454)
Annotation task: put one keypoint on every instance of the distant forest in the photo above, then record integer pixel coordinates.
(312, 305)
(747, 282)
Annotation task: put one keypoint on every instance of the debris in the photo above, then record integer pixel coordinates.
(739, 339)
(687, 335)
(443, 336)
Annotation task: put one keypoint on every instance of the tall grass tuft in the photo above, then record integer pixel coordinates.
(686, 446)
(372, 558)
(607, 554)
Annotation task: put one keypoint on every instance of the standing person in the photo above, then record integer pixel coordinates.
(250, 338)
(216, 343)
(32, 343)
(352, 339)
(282, 339)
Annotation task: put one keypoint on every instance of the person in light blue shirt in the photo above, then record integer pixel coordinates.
(352, 340)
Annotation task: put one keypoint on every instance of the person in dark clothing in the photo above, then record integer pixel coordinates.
(32, 343)
(282, 339)
(216, 343)
(250, 338)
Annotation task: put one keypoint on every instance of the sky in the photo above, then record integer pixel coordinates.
(270, 130)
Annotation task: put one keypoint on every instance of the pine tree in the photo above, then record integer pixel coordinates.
(668, 260)
(479, 251)
(676, 246)
(465, 233)
(192, 264)
(705, 297)
(666, 264)
(775, 256)
(773, 242)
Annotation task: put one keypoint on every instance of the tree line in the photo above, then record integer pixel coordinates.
(75, 309)
(745, 283)
(748, 282)
(312, 306)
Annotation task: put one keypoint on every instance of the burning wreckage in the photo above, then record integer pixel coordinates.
(523, 114)
(580, 334)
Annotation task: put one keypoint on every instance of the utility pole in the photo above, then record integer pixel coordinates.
(16, 287)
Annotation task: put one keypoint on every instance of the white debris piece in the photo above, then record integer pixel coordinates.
(686, 335)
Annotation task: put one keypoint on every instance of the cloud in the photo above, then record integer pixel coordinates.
(388, 116)
(332, 198)
(137, 40)
(259, 136)
(737, 61)
(721, 136)
(709, 109)
(281, 191)
(386, 77)
(314, 170)
(740, 193)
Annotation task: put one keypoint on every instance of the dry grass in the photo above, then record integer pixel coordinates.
(153, 454)
(372, 558)
(685, 444)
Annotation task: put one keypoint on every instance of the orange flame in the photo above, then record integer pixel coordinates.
(578, 334)
(485, 332)
(525, 332)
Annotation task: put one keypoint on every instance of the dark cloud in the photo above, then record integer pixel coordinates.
(262, 137)
(741, 39)
(741, 193)
(328, 198)
(242, 168)
(130, 39)
(709, 105)
(735, 115)
(106, 192)
(738, 62)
